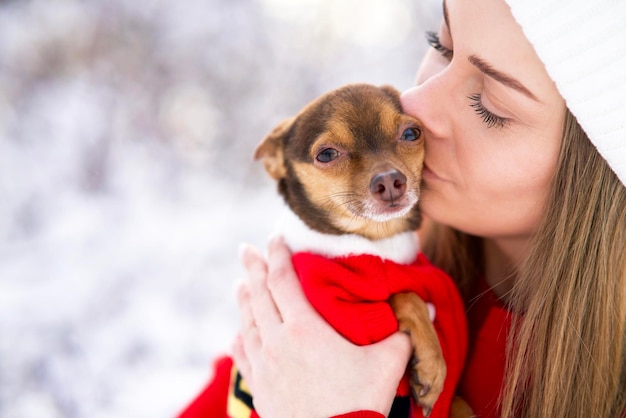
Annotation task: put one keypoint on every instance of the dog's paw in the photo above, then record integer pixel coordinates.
(427, 376)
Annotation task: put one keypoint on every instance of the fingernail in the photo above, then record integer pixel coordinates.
(432, 312)
(244, 248)
(243, 296)
(240, 289)
(276, 240)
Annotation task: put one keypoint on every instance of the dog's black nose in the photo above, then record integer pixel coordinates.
(388, 186)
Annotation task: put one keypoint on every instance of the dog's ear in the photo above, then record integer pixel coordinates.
(270, 150)
(390, 90)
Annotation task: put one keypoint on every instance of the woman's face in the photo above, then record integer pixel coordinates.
(493, 122)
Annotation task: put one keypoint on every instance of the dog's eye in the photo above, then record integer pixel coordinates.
(410, 134)
(327, 155)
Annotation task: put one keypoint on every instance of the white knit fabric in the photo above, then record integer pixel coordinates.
(401, 248)
(583, 46)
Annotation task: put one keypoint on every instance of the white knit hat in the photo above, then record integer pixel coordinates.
(583, 46)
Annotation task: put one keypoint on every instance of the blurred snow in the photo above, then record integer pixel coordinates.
(126, 180)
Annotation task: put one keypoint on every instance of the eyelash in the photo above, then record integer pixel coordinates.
(490, 119)
(433, 40)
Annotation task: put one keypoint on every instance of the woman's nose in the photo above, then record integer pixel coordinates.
(428, 105)
(427, 100)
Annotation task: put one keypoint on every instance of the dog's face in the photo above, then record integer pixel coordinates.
(349, 162)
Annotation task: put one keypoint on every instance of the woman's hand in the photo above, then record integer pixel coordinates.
(294, 363)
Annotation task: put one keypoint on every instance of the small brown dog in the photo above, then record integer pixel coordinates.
(349, 167)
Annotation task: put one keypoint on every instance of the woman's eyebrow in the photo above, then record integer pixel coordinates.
(499, 76)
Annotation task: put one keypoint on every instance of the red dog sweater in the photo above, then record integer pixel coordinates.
(351, 293)
(349, 280)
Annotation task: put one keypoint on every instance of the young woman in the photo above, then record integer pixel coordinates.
(524, 109)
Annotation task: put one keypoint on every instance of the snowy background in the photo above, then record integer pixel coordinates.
(126, 180)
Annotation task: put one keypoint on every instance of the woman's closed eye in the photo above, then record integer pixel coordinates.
(488, 117)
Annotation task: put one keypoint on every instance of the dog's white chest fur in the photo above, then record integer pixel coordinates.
(401, 248)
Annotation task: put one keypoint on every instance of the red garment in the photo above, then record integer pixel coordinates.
(338, 287)
(212, 402)
(213, 397)
(351, 293)
(360, 414)
(489, 324)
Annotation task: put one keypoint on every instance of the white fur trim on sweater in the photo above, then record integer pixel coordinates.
(401, 248)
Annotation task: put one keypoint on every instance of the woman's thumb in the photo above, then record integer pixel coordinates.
(393, 353)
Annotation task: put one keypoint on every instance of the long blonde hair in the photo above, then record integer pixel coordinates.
(567, 352)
